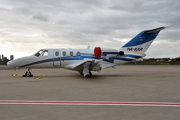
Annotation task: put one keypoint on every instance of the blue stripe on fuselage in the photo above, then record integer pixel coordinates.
(111, 59)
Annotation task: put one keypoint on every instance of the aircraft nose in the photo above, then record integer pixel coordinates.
(10, 64)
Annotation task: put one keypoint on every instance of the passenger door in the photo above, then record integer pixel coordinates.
(57, 58)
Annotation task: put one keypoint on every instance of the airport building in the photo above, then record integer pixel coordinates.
(4, 60)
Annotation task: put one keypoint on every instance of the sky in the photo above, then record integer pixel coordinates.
(27, 26)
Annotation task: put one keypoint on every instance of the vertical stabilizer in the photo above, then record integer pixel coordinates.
(142, 41)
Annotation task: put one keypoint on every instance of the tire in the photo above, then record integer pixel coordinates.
(28, 74)
(90, 75)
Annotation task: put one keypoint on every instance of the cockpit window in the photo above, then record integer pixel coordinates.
(45, 53)
(42, 53)
(38, 53)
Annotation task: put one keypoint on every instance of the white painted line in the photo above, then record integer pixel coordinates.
(104, 103)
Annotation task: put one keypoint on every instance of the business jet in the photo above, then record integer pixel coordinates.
(86, 60)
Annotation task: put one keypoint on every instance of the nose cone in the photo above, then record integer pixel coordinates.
(19, 62)
(10, 63)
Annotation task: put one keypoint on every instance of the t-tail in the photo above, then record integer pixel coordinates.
(142, 41)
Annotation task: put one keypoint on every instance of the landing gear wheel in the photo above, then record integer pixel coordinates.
(86, 69)
(28, 73)
(89, 75)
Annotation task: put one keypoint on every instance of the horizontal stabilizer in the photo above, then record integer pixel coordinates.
(156, 30)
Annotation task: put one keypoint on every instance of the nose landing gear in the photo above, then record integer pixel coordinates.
(28, 73)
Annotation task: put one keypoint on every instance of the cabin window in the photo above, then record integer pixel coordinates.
(78, 53)
(71, 53)
(64, 53)
(57, 53)
(45, 53)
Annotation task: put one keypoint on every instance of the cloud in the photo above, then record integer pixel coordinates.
(40, 17)
(72, 23)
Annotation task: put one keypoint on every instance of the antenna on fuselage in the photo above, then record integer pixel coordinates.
(88, 47)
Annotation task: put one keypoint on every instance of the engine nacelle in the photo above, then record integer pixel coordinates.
(97, 52)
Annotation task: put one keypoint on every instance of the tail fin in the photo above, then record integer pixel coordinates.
(142, 41)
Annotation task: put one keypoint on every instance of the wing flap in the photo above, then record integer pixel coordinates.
(78, 66)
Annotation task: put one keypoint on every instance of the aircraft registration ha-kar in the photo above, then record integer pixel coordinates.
(85, 61)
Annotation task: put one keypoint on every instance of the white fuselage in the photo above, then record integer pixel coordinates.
(71, 58)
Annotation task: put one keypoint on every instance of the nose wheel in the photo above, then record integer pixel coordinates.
(28, 73)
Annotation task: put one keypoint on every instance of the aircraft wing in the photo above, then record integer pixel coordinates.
(78, 66)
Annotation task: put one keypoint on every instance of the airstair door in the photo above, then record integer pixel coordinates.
(57, 58)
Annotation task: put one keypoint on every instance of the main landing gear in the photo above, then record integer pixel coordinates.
(87, 75)
(86, 72)
(28, 73)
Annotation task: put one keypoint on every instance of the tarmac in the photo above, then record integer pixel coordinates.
(126, 84)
